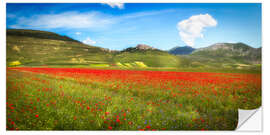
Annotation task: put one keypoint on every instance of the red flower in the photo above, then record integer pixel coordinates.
(36, 116)
(88, 107)
(110, 127)
(148, 126)
(203, 120)
(117, 120)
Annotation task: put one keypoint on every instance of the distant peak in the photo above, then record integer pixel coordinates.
(144, 47)
(181, 50)
(238, 43)
(219, 44)
(187, 46)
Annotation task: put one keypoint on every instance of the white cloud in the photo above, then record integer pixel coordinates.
(78, 33)
(89, 41)
(115, 5)
(64, 20)
(192, 28)
(77, 20)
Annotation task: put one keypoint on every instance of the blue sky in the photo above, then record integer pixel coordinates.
(163, 26)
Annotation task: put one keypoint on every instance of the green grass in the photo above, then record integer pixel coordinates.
(150, 58)
(99, 65)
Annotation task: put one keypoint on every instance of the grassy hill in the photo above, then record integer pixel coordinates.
(225, 55)
(237, 51)
(38, 34)
(151, 57)
(37, 48)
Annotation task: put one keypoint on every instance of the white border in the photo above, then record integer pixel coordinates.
(265, 77)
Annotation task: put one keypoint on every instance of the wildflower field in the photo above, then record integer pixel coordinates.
(99, 99)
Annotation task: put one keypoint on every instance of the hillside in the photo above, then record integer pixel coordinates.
(239, 52)
(149, 55)
(181, 50)
(224, 55)
(39, 48)
(35, 48)
(38, 34)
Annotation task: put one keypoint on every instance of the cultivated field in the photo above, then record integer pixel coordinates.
(96, 99)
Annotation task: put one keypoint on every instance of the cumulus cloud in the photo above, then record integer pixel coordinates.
(192, 28)
(89, 41)
(116, 5)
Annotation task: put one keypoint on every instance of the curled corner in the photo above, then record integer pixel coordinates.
(249, 120)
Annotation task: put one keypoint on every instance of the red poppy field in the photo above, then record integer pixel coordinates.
(96, 99)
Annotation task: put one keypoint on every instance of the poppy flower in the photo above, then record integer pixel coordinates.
(110, 128)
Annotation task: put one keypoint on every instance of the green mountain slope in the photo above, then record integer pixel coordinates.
(38, 34)
(151, 57)
(224, 55)
(36, 48)
(239, 52)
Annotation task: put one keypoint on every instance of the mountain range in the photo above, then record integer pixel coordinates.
(39, 48)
